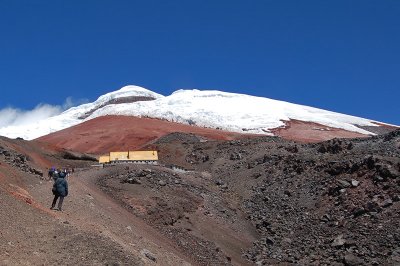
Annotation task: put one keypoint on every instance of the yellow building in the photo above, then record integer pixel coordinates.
(119, 156)
(143, 155)
(104, 159)
(130, 156)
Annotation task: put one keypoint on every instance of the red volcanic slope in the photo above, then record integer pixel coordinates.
(308, 132)
(112, 133)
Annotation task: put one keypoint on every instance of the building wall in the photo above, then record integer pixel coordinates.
(143, 155)
(135, 156)
(104, 159)
(118, 155)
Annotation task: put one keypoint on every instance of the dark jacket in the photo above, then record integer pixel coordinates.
(60, 187)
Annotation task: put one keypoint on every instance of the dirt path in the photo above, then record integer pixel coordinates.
(91, 222)
(31, 235)
(116, 222)
(98, 225)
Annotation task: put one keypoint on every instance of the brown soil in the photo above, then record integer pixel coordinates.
(91, 231)
(106, 222)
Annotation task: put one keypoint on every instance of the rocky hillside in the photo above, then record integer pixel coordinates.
(335, 202)
(259, 200)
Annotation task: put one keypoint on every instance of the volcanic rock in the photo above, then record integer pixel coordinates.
(352, 260)
(149, 255)
(338, 241)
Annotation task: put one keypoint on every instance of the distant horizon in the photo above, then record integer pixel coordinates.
(341, 56)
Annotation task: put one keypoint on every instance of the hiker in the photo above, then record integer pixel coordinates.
(66, 172)
(50, 174)
(60, 190)
(55, 175)
(62, 174)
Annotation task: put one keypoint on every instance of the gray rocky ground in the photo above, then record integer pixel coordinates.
(261, 201)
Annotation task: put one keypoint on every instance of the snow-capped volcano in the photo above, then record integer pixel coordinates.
(215, 109)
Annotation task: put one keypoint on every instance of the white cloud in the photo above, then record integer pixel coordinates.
(11, 116)
(16, 117)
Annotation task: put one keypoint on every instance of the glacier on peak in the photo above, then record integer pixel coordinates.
(207, 108)
(128, 91)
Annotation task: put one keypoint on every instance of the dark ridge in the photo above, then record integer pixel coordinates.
(73, 156)
(179, 137)
(377, 129)
(130, 99)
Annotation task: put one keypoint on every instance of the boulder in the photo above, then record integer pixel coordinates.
(148, 254)
(355, 183)
(134, 181)
(344, 183)
(219, 182)
(358, 211)
(387, 203)
(352, 260)
(338, 241)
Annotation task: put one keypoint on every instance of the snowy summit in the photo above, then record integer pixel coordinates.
(215, 109)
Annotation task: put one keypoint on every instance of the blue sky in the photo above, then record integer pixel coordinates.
(337, 55)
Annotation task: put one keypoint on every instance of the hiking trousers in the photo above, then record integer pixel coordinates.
(60, 202)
